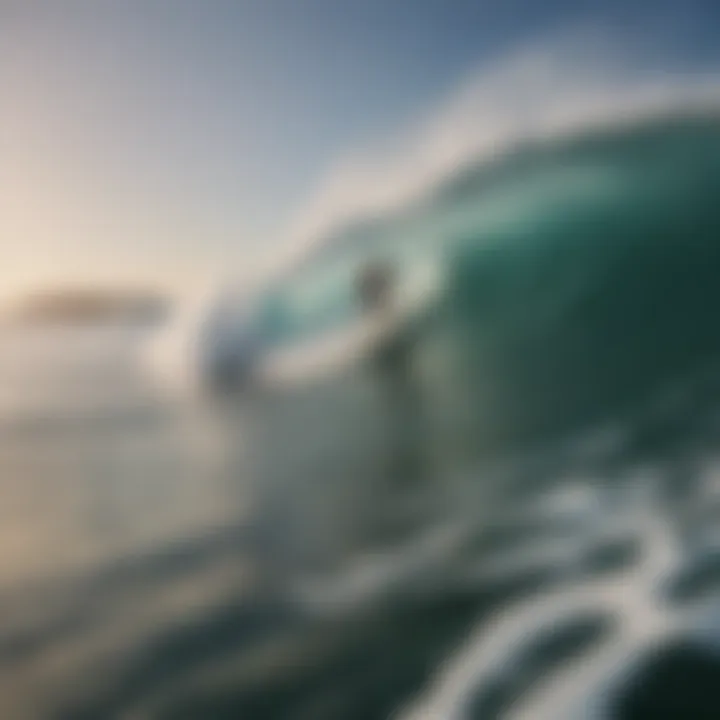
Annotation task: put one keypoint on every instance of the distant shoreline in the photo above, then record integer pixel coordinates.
(89, 307)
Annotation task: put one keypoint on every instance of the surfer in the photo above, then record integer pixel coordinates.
(391, 363)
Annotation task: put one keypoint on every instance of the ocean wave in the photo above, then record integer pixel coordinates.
(580, 275)
(557, 220)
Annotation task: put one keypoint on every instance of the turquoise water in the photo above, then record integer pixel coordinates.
(583, 271)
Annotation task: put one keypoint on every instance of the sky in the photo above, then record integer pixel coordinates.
(167, 142)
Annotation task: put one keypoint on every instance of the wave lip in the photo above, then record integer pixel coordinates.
(576, 82)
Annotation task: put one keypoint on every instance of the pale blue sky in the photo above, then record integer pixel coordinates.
(166, 140)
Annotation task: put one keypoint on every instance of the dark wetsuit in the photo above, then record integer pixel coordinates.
(392, 365)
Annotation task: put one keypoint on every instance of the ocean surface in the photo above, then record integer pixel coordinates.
(530, 531)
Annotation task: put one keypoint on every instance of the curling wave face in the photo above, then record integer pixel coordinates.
(578, 275)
